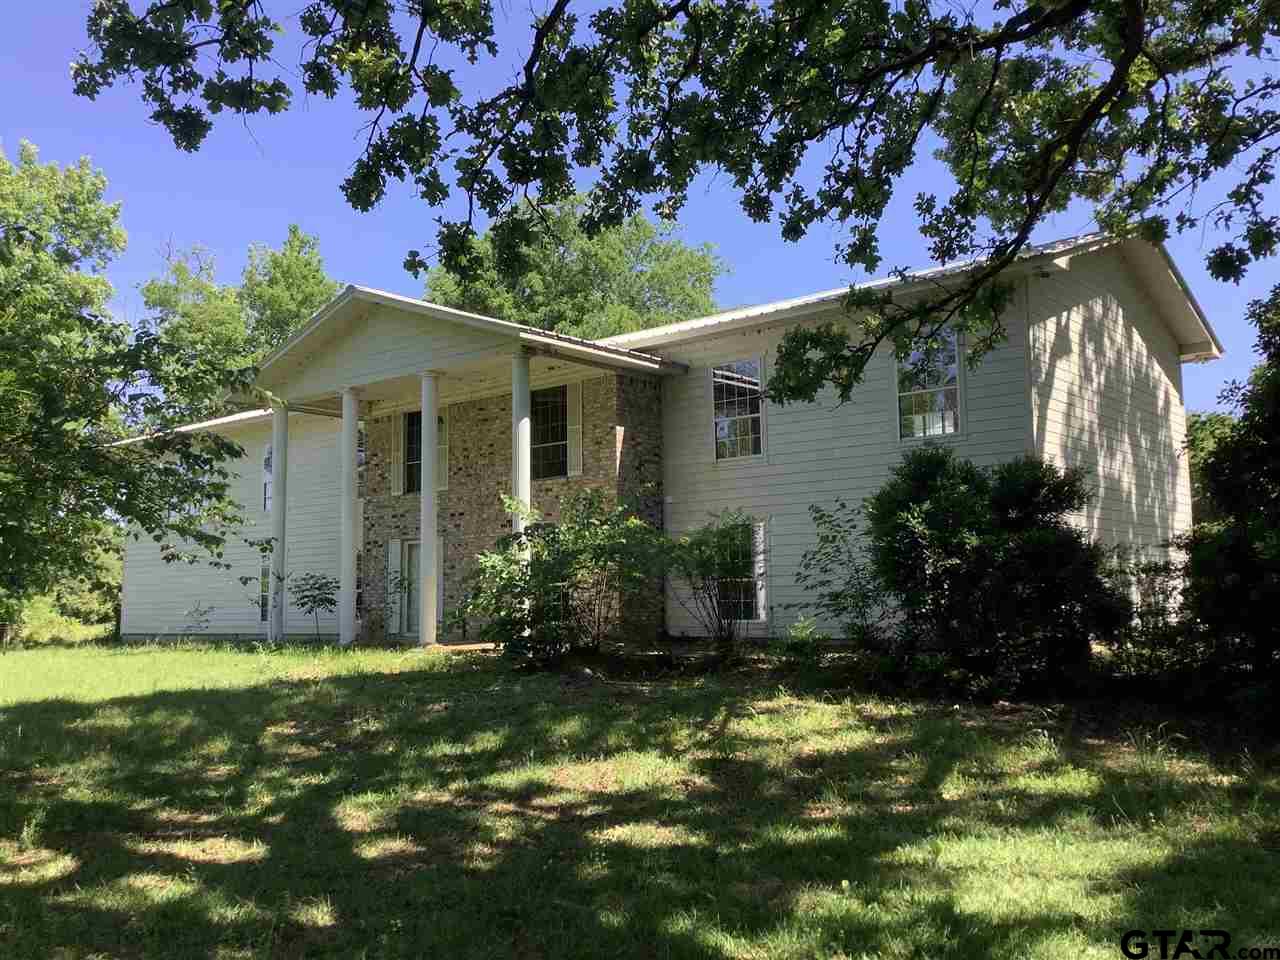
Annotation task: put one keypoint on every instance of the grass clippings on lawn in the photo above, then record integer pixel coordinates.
(213, 803)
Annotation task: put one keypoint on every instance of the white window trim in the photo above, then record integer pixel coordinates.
(400, 465)
(763, 455)
(568, 432)
(962, 409)
(574, 416)
(442, 448)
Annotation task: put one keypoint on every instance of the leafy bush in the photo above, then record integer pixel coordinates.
(713, 567)
(1232, 590)
(41, 621)
(558, 587)
(987, 571)
(804, 644)
(1232, 586)
(1160, 640)
(837, 572)
(314, 593)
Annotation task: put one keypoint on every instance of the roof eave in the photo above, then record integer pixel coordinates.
(611, 355)
(1210, 348)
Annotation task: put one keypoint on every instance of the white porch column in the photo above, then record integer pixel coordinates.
(521, 436)
(427, 559)
(347, 537)
(279, 499)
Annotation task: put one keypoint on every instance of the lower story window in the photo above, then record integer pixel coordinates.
(264, 589)
(739, 585)
(549, 450)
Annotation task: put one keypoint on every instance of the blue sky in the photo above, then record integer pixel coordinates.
(251, 179)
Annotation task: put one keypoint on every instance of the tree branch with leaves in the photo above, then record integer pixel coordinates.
(1158, 113)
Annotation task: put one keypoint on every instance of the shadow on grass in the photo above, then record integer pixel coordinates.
(468, 812)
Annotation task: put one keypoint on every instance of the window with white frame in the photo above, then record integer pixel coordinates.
(266, 479)
(739, 585)
(549, 450)
(929, 390)
(738, 400)
(264, 589)
(413, 451)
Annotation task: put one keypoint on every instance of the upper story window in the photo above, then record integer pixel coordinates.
(266, 479)
(413, 451)
(550, 426)
(737, 399)
(929, 392)
(362, 448)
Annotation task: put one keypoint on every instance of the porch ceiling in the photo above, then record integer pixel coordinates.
(381, 343)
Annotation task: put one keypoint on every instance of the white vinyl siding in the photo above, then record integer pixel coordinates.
(815, 452)
(156, 596)
(1106, 395)
(383, 344)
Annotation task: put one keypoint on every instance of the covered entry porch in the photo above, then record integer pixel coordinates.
(371, 357)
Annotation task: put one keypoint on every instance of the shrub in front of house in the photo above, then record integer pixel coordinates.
(556, 588)
(714, 577)
(314, 594)
(841, 583)
(987, 572)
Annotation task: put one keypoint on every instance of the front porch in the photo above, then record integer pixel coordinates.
(459, 411)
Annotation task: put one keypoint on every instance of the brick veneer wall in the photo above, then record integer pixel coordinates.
(621, 455)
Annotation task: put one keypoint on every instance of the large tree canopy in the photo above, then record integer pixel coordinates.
(73, 381)
(620, 279)
(1235, 556)
(279, 290)
(1159, 112)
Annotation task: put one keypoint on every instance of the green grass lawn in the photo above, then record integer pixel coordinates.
(212, 803)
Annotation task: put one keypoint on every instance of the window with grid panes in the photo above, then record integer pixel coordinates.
(264, 589)
(738, 590)
(738, 396)
(929, 392)
(550, 427)
(413, 451)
